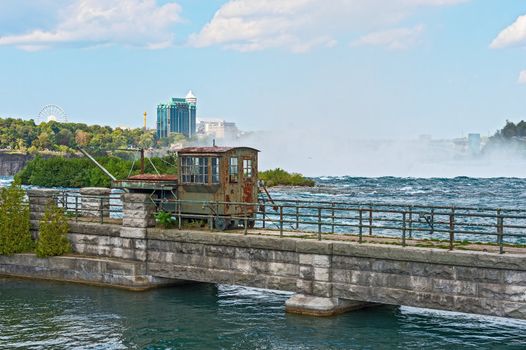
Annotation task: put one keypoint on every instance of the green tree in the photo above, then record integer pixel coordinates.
(15, 235)
(53, 234)
(65, 138)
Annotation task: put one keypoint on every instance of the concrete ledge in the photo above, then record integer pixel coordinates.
(107, 272)
(317, 306)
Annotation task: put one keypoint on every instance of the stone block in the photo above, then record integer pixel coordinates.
(133, 232)
(322, 289)
(219, 251)
(313, 247)
(280, 283)
(241, 265)
(322, 274)
(304, 286)
(351, 263)
(140, 244)
(285, 256)
(321, 261)
(341, 276)
(306, 272)
(283, 269)
(321, 306)
(454, 287)
(306, 259)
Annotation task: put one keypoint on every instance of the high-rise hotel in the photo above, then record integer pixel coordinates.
(177, 116)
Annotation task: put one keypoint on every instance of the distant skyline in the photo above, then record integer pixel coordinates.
(364, 69)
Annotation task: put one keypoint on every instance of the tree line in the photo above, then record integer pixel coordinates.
(26, 136)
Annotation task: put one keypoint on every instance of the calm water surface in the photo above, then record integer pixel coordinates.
(48, 315)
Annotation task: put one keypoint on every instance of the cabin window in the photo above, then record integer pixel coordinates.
(247, 168)
(194, 170)
(215, 170)
(233, 170)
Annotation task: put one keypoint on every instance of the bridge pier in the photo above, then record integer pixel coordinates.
(320, 306)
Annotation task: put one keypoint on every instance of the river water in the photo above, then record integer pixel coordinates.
(49, 315)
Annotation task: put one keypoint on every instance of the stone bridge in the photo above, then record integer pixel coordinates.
(328, 277)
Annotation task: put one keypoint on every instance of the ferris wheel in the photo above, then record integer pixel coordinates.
(52, 113)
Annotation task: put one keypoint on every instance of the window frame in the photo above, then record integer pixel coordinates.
(194, 170)
(233, 170)
(215, 173)
(248, 170)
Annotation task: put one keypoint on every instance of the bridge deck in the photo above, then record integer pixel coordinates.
(419, 243)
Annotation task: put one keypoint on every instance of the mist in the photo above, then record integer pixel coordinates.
(323, 153)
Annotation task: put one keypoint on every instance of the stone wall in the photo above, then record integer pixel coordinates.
(91, 270)
(465, 281)
(126, 241)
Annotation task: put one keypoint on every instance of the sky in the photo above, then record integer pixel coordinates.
(377, 69)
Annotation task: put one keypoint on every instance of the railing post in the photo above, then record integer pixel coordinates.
(332, 218)
(297, 215)
(245, 232)
(410, 222)
(281, 220)
(403, 228)
(76, 208)
(370, 220)
(319, 223)
(211, 217)
(264, 214)
(451, 228)
(500, 231)
(101, 210)
(179, 218)
(360, 226)
(432, 224)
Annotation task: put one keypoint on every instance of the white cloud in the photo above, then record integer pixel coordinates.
(396, 38)
(522, 77)
(299, 25)
(141, 23)
(513, 35)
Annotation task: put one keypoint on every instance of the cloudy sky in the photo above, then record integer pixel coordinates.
(366, 68)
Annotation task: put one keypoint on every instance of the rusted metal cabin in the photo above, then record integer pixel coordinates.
(212, 182)
(220, 176)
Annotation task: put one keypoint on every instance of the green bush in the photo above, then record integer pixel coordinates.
(15, 235)
(81, 172)
(165, 219)
(53, 235)
(279, 177)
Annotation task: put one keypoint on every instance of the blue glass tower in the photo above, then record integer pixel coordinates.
(177, 116)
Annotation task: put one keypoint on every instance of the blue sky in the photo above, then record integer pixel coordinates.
(365, 68)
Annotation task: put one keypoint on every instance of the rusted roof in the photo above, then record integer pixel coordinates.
(216, 149)
(153, 177)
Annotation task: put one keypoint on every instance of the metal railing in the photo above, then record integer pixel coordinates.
(102, 209)
(453, 226)
(450, 227)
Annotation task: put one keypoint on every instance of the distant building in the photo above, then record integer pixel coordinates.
(177, 116)
(474, 143)
(218, 129)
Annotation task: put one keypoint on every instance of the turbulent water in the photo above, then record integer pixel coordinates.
(500, 192)
(44, 315)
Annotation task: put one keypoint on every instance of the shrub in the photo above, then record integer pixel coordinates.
(15, 235)
(164, 219)
(53, 239)
(277, 177)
